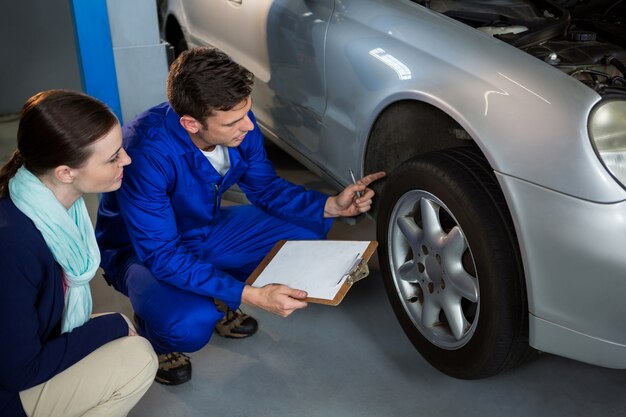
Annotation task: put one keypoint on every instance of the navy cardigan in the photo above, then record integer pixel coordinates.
(32, 348)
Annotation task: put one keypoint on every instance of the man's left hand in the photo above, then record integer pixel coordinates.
(347, 203)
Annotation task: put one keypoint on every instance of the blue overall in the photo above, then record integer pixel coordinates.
(168, 245)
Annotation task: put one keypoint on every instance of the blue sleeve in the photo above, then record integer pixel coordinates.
(28, 360)
(287, 201)
(151, 223)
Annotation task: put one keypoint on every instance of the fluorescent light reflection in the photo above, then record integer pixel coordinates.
(404, 73)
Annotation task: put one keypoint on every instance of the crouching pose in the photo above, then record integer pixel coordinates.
(57, 358)
(166, 241)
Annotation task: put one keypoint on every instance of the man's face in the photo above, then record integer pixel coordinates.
(226, 128)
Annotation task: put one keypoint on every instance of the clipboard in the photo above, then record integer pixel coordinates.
(299, 264)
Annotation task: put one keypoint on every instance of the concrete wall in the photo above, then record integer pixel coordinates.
(140, 57)
(37, 51)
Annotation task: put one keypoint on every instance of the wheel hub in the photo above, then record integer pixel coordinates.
(426, 247)
(434, 270)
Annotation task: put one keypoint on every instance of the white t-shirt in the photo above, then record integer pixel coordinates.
(219, 158)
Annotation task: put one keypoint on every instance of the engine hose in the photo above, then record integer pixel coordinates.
(613, 92)
(546, 31)
(617, 64)
(612, 6)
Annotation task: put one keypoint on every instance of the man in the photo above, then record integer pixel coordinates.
(166, 242)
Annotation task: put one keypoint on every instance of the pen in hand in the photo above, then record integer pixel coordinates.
(358, 193)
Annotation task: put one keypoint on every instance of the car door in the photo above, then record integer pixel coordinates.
(246, 34)
(290, 102)
(205, 22)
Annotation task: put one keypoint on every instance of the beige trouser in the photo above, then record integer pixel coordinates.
(107, 382)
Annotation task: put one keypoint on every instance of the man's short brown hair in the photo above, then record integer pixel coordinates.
(202, 80)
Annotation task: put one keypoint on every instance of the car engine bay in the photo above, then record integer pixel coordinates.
(584, 38)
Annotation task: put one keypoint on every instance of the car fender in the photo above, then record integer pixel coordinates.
(529, 119)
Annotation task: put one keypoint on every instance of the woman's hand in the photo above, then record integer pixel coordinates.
(131, 327)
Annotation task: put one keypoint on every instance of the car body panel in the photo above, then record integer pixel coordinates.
(292, 103)
(574, 263)
(227, 24)
(478, 85)
(333, 67)
(516, 108)
(552, 338)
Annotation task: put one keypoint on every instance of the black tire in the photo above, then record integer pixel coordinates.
(174, 36)
(458, 291)
(180, 46)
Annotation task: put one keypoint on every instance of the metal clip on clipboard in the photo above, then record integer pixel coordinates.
(358, 273)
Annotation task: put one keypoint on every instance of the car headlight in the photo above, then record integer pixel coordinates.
(607, 128)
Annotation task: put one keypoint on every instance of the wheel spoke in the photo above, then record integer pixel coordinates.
(454, 243)
(408, 271)
(430, 312)
(456, 318)
(430, 221)
(411, 231)
(454, 247)
(464, 284)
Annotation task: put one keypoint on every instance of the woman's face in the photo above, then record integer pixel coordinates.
(104, 169)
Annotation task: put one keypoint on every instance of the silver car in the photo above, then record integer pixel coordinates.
(502, 124)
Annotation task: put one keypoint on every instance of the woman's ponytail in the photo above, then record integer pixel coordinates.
(9, 170)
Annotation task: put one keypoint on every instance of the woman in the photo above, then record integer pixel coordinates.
(57, 359)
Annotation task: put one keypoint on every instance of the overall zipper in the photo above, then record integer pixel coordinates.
(216, 200)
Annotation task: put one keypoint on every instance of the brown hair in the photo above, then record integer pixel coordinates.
(56, 128)
(202, 80)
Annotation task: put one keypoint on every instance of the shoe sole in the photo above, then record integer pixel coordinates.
(231, 334)
(235, 336)
(168, 382)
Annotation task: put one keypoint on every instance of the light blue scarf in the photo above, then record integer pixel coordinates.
(70, 237)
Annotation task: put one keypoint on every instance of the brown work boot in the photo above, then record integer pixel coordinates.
(174, 369)
(235, 324)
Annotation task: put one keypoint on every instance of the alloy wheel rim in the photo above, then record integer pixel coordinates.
(433, 270)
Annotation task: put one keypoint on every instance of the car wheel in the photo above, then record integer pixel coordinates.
(180, 46)
(174, 36)
(451, 264)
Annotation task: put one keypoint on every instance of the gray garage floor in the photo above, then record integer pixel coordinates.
(354, 360)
